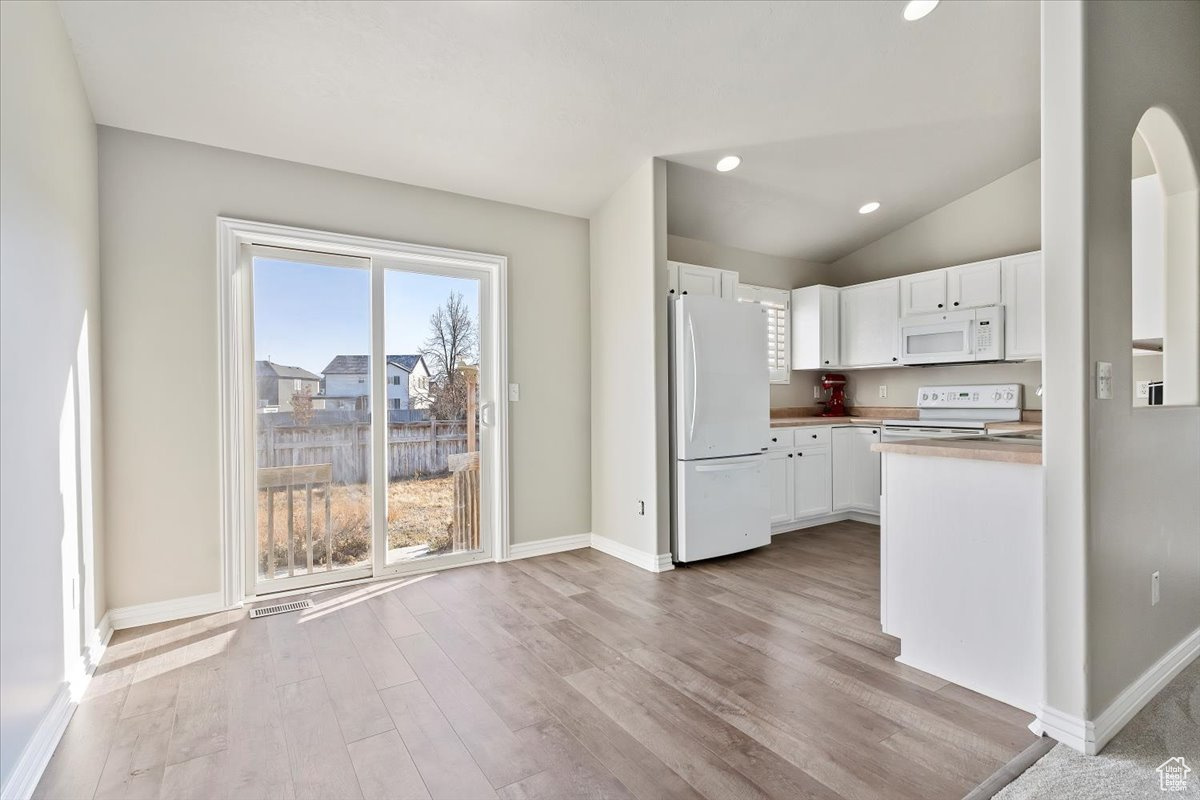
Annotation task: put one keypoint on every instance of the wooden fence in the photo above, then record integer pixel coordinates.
(414, 448)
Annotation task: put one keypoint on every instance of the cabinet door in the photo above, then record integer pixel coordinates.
(869, 324)
(1023, 307)
(780, 479)
(844, 463)
(814, 331)
(922, 293)
(692, 279)
(812, 481)
(829, 327)
(866, 470)
(973, 285)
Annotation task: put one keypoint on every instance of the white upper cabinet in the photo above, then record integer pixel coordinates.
(692, 279)
(973, 285)
(1022, 306)
(814, 327)
(869, 316)
(923, 293)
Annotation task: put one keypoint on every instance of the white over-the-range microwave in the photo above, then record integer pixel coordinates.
(953, 337)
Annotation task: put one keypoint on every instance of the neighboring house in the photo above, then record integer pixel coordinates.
(277, 383)
(408, 380)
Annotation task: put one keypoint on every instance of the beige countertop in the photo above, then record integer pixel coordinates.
(1010, 452)
(798, 422)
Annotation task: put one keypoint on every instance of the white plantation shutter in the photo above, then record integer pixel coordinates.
(778, 346)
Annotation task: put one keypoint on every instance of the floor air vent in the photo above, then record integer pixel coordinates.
(279, 608)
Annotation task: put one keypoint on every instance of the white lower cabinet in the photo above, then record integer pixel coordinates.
(855, 469)
(818, 470)
(812, 482)
(779, 476)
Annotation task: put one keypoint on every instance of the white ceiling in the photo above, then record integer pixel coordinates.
(553, 105)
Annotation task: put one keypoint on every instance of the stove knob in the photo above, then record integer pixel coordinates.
(996, 396)
(924, 396)
(1008, 395)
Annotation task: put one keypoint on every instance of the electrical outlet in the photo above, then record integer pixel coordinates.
(883, 391)
(514, 392)
(1154, 588)
(1143, 389)
(1104, 380)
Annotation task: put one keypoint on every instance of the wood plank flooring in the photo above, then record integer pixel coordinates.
(763, 675)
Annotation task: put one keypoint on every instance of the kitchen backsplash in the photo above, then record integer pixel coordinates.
(862, 386)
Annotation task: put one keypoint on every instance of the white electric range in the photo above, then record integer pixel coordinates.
(947, 411)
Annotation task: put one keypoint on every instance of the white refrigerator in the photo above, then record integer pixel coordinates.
(720, 426)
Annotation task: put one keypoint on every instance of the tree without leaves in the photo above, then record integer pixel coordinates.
(453, 337)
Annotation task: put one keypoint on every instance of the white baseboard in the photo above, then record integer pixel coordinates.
(648, 561)
(1074, 732)
(33, 759)
(1137, 694)
(30, 765)
(1090, 737)
(825, 519)
(166, 610)
(544, 547)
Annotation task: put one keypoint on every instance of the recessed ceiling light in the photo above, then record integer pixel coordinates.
(869, 207)
(728, 163)
(916, 9)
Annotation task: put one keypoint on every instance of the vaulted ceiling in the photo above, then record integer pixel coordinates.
(553, 105)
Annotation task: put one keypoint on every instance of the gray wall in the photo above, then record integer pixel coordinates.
(626, 462)
(1143, 464)
(159, 200)
(999, 219)
(51, 460)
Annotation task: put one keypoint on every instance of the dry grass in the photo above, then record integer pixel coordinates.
(420, 512)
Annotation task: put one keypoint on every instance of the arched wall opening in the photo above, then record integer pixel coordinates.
(1165, 204)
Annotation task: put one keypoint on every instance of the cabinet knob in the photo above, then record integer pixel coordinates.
(955, 302)
(799, 454)
(893, 357)
(814, 436)
(774, 438)
(826, 362)
(789, 455)
(684, 292)
(940, 305)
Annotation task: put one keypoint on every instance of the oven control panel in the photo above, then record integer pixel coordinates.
(987, 395)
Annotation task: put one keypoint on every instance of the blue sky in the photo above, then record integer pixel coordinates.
(305, 314)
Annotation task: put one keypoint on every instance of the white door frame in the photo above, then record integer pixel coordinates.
(235, 377)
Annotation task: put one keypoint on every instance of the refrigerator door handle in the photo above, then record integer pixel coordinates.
(694, 396)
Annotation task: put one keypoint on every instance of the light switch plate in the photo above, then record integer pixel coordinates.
(1143, 389)
(514, 392)
(1104, 380)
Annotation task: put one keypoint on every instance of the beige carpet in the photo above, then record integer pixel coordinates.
(1167, 727)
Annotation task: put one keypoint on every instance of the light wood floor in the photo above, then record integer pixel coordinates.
(571, 675)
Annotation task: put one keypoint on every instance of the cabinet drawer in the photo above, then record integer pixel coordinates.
(807, 437)
(781, 439)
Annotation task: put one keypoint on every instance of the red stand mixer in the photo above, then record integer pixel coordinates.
(835, 402)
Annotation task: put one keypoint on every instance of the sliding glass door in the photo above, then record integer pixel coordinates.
(371, 409)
